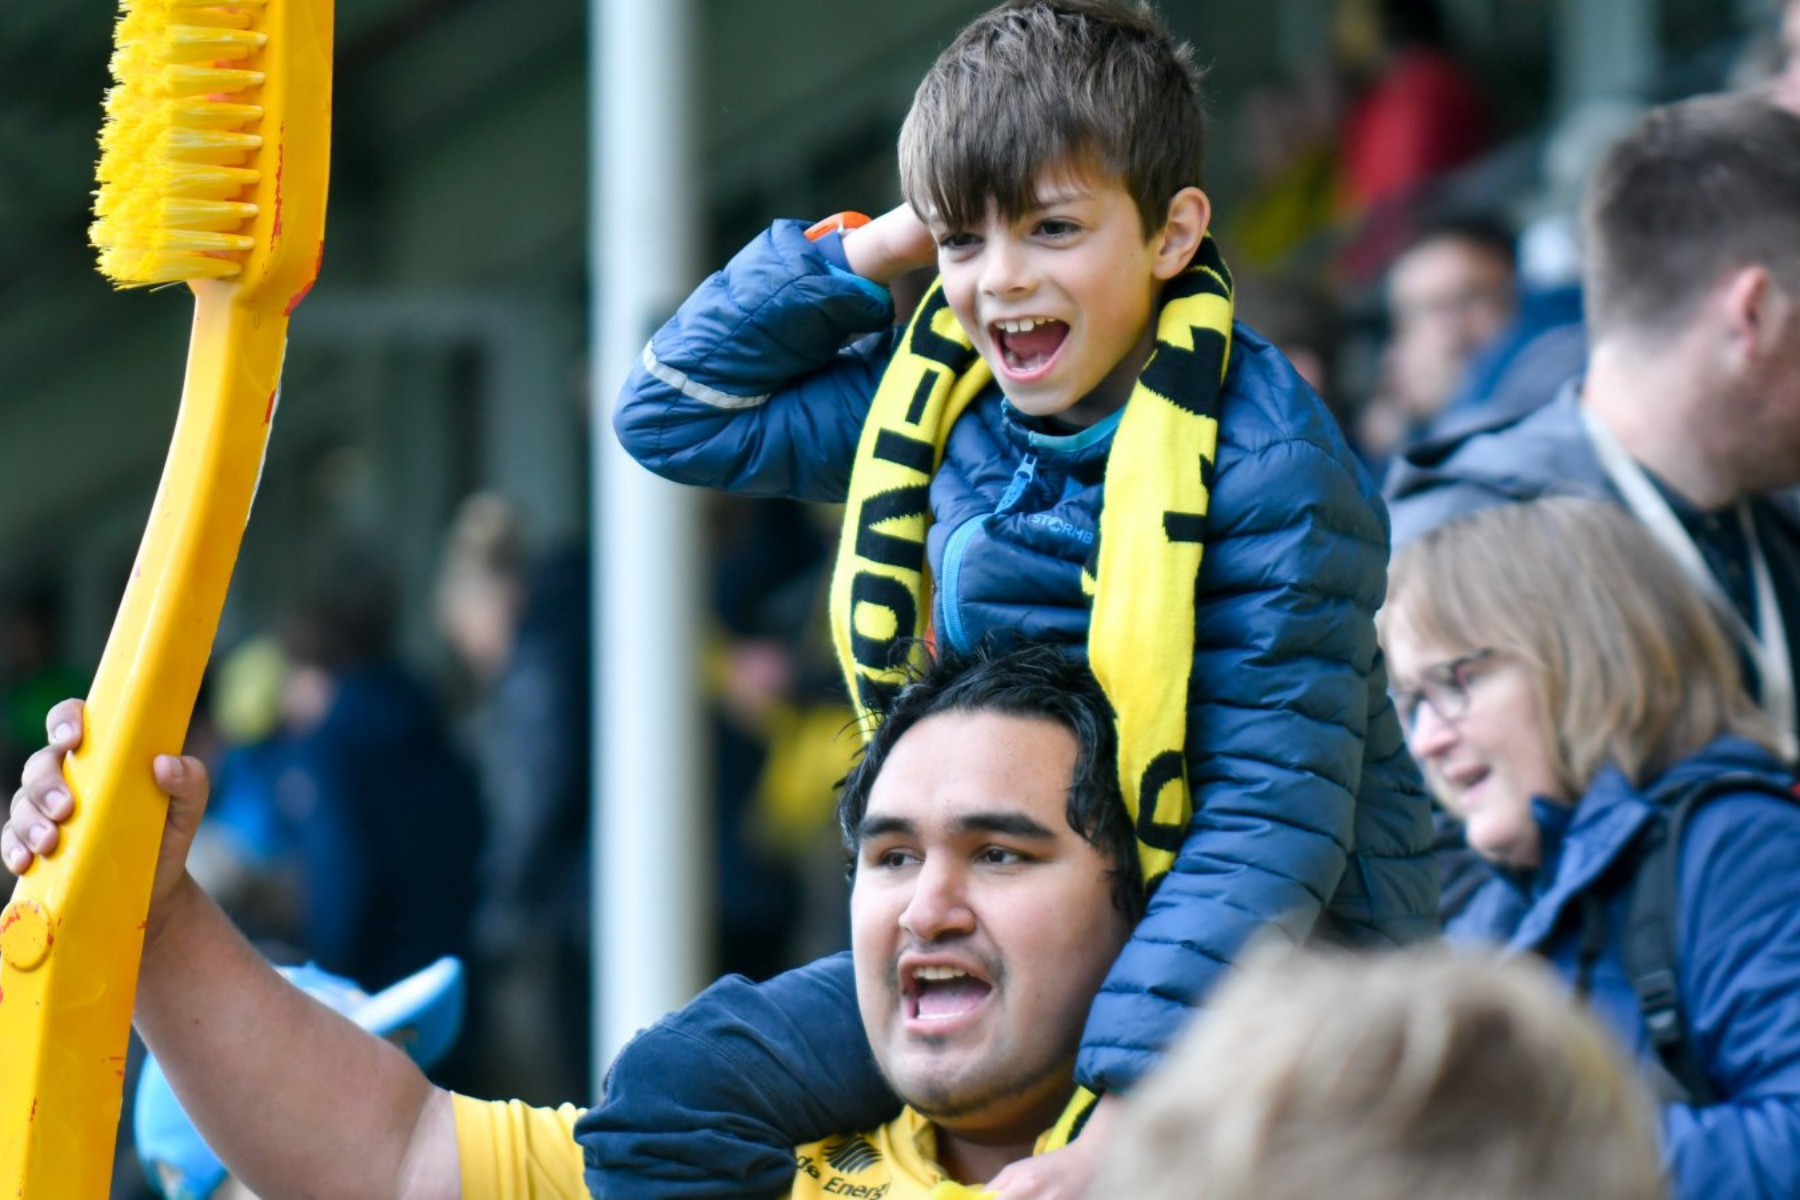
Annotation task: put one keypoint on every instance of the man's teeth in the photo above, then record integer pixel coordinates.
(1025, 325)
(938, 974)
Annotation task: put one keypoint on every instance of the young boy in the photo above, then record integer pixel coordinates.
(1071, 444)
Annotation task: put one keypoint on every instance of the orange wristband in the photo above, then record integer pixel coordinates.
(842, 222)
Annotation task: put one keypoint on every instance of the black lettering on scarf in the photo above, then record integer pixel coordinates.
(1166, 768)
(913, 453)
(890, 549)
(873, 653)
(1188, 379)
(929, 343)
(1184, 527)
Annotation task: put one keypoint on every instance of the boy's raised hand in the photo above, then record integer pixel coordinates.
(891, 245)
(43, 803)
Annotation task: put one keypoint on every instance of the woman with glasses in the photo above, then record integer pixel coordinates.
(1560, 682)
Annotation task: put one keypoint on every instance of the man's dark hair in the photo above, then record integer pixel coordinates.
(1697, 189)
(341, 623)
(1031, 681)
(1484, 231)
(1035, 84)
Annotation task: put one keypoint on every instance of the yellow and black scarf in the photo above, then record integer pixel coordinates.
(1146, 562)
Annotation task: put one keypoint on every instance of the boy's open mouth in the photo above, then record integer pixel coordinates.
(1029, 343)
(943, 993)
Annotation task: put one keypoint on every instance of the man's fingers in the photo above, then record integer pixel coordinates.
(23, 811)
(182, 778)
(15, 856)
(43, 782)
(63, 724)
(29, 826)
(43, 770)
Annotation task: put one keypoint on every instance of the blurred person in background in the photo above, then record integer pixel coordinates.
(1301, 320)
(1415, 112)
(247, 853)
(1420, 1073)
(784, 736)
(1576, 706)
(1450, 295)
(1288, 138)
(518, 624)
(1689, 413)
(1472, 338)
(1787, 78)
(387, 812)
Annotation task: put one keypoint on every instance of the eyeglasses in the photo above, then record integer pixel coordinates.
(1444, 686)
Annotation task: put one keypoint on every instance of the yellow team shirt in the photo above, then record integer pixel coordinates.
(510, 1150)
(898, 1161)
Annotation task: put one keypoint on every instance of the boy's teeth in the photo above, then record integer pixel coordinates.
(935, 974)
(1029, 343)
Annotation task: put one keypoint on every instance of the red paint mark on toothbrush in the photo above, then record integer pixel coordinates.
(269, 412)
(318, 261)
(280, 165)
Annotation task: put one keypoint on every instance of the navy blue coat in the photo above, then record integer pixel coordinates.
(1309, 815)
(1738, 956)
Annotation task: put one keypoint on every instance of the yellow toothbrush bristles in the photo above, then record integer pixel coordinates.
(178, 149)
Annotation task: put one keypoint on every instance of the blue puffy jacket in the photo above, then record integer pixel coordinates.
(1309, 815)
(1737, 955)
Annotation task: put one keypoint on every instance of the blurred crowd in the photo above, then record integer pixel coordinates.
(1419, 262)
(372, 814)
(370, 817)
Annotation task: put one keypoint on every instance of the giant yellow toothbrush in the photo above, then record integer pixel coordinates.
(212, 172)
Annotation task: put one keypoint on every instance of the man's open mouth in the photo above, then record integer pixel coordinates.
(937, 993)
(1029, 343)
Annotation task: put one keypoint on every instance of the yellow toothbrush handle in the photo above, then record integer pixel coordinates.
(71, 938)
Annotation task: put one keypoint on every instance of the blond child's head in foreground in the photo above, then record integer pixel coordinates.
(1054, 151)
(1426, 1073)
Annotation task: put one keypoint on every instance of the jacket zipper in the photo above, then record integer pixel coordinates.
(950, 578)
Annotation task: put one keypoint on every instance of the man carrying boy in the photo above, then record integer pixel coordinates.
(995, 878)
(1072, 444)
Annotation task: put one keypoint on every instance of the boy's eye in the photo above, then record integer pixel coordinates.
(957, 239)
(1000, 856)
(1057, 227)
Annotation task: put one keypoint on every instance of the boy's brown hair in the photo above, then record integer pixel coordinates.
(1697, 189)
(1084, 84)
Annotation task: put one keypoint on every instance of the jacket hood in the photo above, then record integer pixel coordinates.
(1502, 460)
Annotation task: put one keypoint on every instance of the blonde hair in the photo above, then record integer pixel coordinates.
(1629, 665)
(1423, 1073)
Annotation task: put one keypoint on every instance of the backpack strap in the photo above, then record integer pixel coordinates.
(1648, 944)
